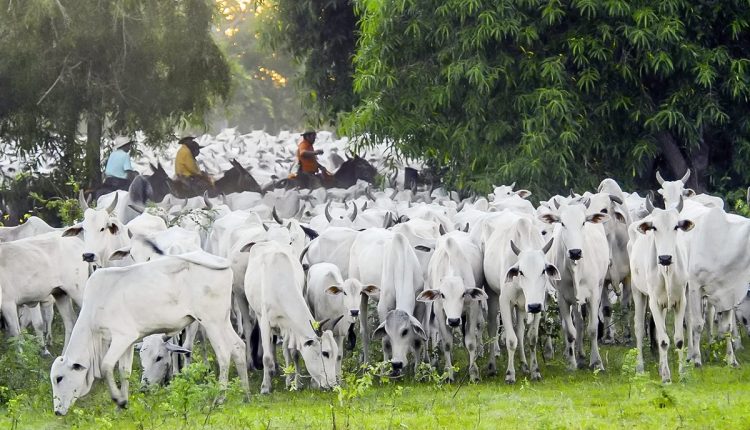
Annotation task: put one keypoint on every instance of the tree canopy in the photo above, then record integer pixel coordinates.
(555, 94)
(117, 65)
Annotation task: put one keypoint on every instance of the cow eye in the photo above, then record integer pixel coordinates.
(326, 354)
(603, 210)
(404, 333)
(562, 223)
(544, 232)
(102, 229)
(58, 379)
(158, 359)
(520, 273)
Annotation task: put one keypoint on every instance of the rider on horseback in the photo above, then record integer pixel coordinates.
(119, 172)
(186, 168)
(307, 157)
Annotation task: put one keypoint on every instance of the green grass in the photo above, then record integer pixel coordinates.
(714, 396)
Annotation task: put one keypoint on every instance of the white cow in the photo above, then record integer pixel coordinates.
(581, 254)
(274, 291)
(659, 269)
(122, 305)
(32, 227)
(101, 232)
(673, 190)
(330, 296)
(158, 359)
(332, 246)
(454, 281)
(174, 240)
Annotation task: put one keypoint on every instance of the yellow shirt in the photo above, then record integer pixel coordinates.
(184, 164)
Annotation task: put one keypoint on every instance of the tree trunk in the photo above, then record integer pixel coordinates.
(699, 178)
(673, 156)
(93, 164)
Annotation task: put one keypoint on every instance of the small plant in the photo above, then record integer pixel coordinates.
(195, 389)
(629, 369)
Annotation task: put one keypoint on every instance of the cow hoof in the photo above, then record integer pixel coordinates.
(580, 365)
(734, 364)
(122, 404)
(608, 341)
(536, 375)
(524, 368)
(510, 379)
(597, 365)
(492, 369)
(265, 390)
(698, 364)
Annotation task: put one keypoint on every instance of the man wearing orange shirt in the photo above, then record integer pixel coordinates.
(307, 157)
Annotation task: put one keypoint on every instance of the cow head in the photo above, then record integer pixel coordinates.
(402, 333)
(102, 233)
(350, 292)
(673, 190)
(663, 224)
(506, 191)
(70, 380)
(608, 204)
(572, 218)
(453, 294)
(532, 272)
(321, 355)
(156, 353)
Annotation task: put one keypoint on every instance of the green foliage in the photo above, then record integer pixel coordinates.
(24, 370)
(556, 94)
(68, 209)
(195, 389)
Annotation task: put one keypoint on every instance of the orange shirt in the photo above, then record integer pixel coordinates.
(307, 164)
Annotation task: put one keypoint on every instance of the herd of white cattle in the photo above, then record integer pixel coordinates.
(303, 267)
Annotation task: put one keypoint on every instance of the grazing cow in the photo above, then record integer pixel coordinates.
(122, 305)
(330, 296)
(274, 292)
(455, 279)
(101, 232)
(517, 273)
(718, 269)
(386, 259)
(32, 269)
(581, 254)
(659, 269)
(158, 359)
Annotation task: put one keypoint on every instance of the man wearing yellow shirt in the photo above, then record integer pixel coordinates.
(186, 168)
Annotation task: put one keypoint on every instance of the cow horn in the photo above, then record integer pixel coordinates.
(572, 193)
(615, 199)
(265, 227)
(686, 177)
(82, 201)
(515, 249)
(395, 191)
(329, 324)
(112, 205)
(649, 205)
(466, 228)
(364, 207)
(548, 245)
(557, 204)
(680, 204)
(275, 216)
(368, 194)
(389, 218)
(206, 201)
(328, 211)
(354, 212)
(441, 230)
(513, 185)
(587, 202)
(461, 205)
(659, 179)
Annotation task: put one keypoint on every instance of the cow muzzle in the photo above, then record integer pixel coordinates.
(535, 308)
(454, 322)
(354, 313)
(575, 254)
(88, 257)
(665, 260)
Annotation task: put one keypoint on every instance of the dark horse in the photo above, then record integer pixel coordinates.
(235, 180)
(348, 174)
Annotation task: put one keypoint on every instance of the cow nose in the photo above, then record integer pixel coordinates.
(354, 312)
(535, 308)
(58, 413)
(88, 257)
(665, 260)
(454, 322)
(575, 254)
(397, 365)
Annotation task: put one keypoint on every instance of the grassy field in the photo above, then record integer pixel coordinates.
(714, 396)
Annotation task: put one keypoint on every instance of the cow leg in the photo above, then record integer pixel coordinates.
(679, 332)
(639, 301)
(711, 318)
(533, 340)
(568, 333)
(593, 325)
(473, 338)
(363, 331)
(446, 343)
(511, 339)
(578, 327)
(725, 330)
(492, 311)
(659, 314)
(117, 349)
(10, 315)
(48, 314)
(191, 332)
(608, 337)
(34, 315)
(124, 368)
(67, 314)
(246, 322)
(695, 316)
(626, 302)
(521, 336)
(269, 364)
(339, 338)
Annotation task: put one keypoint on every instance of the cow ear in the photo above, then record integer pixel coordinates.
(73, 231)
(417, 327)
(512, 273)
(370, 290)
(334, 290)
(379, 332)
(552, 272)
(177, 349)
(685, 225)
(645, 226)
(688, 192)
(429, 295)
(475, 294)
(247, 247)
(619, 216)
(523, 193)
(120, 253)
(113, 228)
(549, 218)
(597, 218)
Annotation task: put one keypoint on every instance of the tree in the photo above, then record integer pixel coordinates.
(555, 94)
(119, 66)
(320, 35)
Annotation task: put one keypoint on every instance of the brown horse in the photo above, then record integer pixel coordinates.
(352, 170)
(236, 179)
